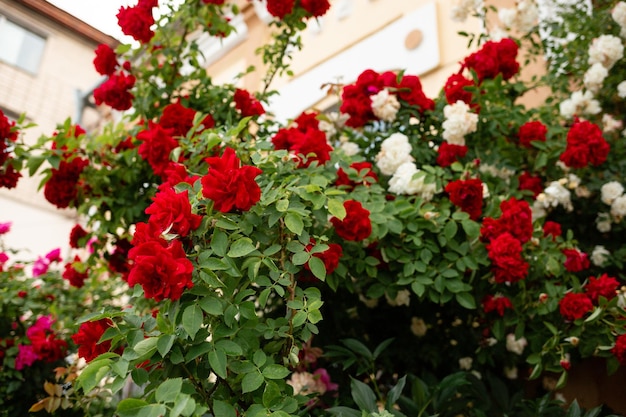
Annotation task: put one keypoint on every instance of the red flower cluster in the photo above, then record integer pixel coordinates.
(494, 58)
(356, 100)
(88, 339)
(574, 306)
(171, 211)
(619, 350)
(118, 260)
(229, 184)
(575, 260)
(74, 276)
(62, 187)
(497, 303)
(516, 219)
(44, 344)
(553, 229)
(247, 104)
(449, 153)
(305, 139)
(115, 91)
(179, 119)
(505, 252)
(163, 271)
(316, 8)
(603, 286)
(8, 174)
(530, 182)
(467, 195)
(282, 8)
(105, 61)
(356, 225)
(455, 89)
(157, 144)
(76, 235)
(532, 131)
(136, 21)
(585, 145)
(364, 171)
(216, 2)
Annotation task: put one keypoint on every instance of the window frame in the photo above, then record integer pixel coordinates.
(28, 28)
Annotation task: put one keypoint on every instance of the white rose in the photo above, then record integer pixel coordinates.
(610, 191)
(618, 207)
(459, 122)
(349, 148)
(621, 89)
(610, 123)
(594, 77)
(394, 151)
(515, 345)
(599, 255)
(385, 106)
(466, 363)
(404, 182)
(606, 50)
(619, 13)
(403, 297)
(603, 222)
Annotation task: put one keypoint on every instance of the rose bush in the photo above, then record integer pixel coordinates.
(409, 255)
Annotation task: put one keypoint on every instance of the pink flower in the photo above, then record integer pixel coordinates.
(26, 356)
(5, 227)
(325, 379)
(40, 266)
(54, 255)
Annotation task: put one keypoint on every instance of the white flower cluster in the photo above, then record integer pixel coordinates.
(459, 122)
(579, 103)
(408, 180)
(385, 105)
(606, 50)
(619, 15)
(522, 18)
(613, 195)
(621, 89)
(305, 383)
(556, 194)
(497, 172)
(610, 123)
(462, 9)
(594, 77)
(394, 151)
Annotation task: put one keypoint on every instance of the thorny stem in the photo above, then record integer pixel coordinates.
(276, 63)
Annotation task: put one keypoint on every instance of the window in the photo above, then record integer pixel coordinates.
(20, 47)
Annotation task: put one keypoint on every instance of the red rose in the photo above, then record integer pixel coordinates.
(356, 225)
(286, 138)
(307, 120)
(62, 187)
(280, 8)
(118, 260)
(115, 91)
(574, 306)
(517, 219)
(75, 277)
(136, 22)
(88, 336)
(163, 272)
(216, 2)
(619, 350)
(530, 182)
(76, 235)
(494, 58)
(156, 147)
(576, 260)
(247, 104)
(467, 195)
(532, 131)
(230, 185)
(6, 129)
(171, 211)
(316, 8)
(330, 256)
(174, 174)
(505, 253)
(448, 153)
(364, 171)
(551, 228)
(410, 90)
(585, 145)
(313, 146)
(105, 61)
(455, 89)
(497, 303)
(9, 176)
(147, 232)
(603, 286)
(356, 100)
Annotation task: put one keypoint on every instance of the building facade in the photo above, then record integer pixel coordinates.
(46, 72)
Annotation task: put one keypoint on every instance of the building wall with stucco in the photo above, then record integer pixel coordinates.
(47, 93)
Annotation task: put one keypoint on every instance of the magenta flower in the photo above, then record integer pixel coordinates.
(40, 266)
(25, 357)
(5, 227)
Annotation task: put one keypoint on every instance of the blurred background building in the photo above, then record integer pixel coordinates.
(46, 71)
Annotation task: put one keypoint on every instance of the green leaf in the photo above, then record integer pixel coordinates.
(294, 223)
(450, 229)
(300, 258)
(252, 381)
(164, 344)
(130, 407)
(212, 306)
(299, 318)
(241, 247)
(395, 392)
(219, 242)
(594, 316)
(471, 228)
(223, 409)
(169, 390)
(363, 396)
(317, 267)
(146, 348)
(336, 208)
(271, 394)
(91, 376)
(218, 361)
(231, 348)
(275, 371)
(466, 300)
(259, 358)
(192, 320)
(282, 205)
(184, 405)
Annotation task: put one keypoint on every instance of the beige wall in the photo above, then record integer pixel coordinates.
(47, 98)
